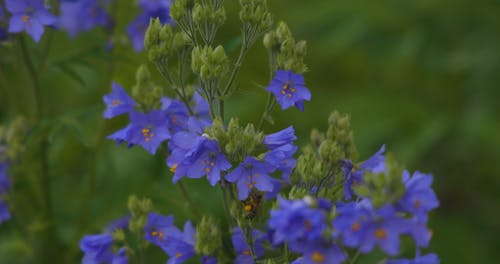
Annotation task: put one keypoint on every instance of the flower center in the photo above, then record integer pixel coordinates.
(250, 182)
(116, 102)
(308, 225)
(147, 134)
(417, 204)
(208, 165)
(380, 233)
(355, 227)
(318, 257)
(246, 252)
(247, 208)
(26, 18)
(178, 255)
(158, 234)
(287, 89)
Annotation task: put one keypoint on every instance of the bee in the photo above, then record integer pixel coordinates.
(252, 204)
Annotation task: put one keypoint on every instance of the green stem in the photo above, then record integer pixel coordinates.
(192, 204)
(355, 257)
(47, 247)
(249, 239)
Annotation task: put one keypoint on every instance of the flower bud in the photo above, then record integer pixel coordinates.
(138, 210)
(178, 9)
(208, 237)
(145, 92)
(152, 33)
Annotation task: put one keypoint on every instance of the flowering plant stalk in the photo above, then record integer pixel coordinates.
(317, 205)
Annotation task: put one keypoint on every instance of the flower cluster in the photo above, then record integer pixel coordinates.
(357, 223)
(329, 205)
(150, 128)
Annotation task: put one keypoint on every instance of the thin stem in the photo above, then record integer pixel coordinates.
(48, 247)
(249, 239)
(355, 257)
(188, 198)
(267, 109)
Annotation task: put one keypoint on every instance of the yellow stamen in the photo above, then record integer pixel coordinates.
(318, 257)
(248, 208)
(380, 233)
(116, 102)
(246, 252)
(26, 18)
(178, 255)
(173, 168)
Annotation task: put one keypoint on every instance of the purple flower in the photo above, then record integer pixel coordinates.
(208, 260)
(280, 138)
(201, 107)
(180, 247)
(243, 249)
(4, 177)
(158, 227)
(117, 102)
(4, 212)
(252, 173)
(72, 13)
(3, 32)
(282, 159)
(177, 114)
(4, 188)
(430, 258)
(120, 223)
(151, 9)
(374, 164)
(121, 135)
(289, 89)
(30, 16)
(419, 197)
(207, 160)
(148, 129)
(361, 226)
(97, 248)
(318, 253)
(120, 257)
(297, 224)
(419, 231)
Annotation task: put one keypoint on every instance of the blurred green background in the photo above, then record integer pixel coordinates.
(421, 76)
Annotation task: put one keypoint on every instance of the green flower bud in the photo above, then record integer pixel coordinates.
(138, 208)
(199, 14)
(209, 63)
(152, 36)
(219, 16)
(283, 32)
(178, 9)
(340, 132)
(145, 92)
(271, 41)
(118, 235)
(14, 137)
(208, 237)
(181, 40)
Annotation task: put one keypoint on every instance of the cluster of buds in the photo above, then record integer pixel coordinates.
(209, 63)
(285, 51)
